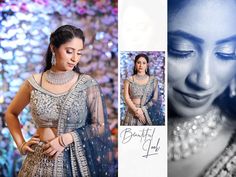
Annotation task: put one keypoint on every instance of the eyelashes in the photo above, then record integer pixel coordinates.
(71, 52)
(226, 56)
(182, 52)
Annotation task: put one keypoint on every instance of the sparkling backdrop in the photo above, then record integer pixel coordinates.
(25, 27)
(156, 67)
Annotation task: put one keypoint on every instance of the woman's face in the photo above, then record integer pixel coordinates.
(141, 65)
(201, 54)
(68, 54)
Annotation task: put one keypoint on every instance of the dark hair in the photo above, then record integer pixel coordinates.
(136, 59)
(62, 35)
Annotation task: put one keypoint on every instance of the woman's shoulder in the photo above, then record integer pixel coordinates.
(87, 80)
(225, 163)
(129, 79)
(36, 76)
(153, 79)
(86, 77)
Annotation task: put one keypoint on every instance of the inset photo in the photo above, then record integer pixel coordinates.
(142, 82)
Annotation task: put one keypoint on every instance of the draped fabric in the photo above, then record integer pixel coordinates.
(149, 103)
(83, 113)
(225, 164)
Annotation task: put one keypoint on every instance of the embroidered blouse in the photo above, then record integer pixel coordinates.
(82, 112)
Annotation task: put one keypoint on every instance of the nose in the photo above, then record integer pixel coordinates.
(202, 76)
(74, 58)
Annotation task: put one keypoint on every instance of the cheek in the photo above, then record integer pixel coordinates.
(224, 71)
(63, 55)
(178, 70)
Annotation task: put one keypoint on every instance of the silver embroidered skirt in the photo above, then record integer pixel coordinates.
(37, 164)
(130, 118)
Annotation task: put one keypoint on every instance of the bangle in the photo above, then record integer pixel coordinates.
(63, 141)
(59, 141)
(21, 146)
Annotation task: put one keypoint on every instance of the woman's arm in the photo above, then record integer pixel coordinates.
(19, 102)
(137, 111)
(150, 108)
(128, 101)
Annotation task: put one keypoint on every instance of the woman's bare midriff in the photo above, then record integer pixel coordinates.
(46, 134)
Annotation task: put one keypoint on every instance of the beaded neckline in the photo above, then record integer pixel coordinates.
(141, 77)
(189, 137)
(59, 78)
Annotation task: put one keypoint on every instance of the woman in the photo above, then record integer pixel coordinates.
(72, 136)
(141, 94)
(201, 65)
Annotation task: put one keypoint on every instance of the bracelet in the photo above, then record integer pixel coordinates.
(20, 149)
(63, 141)
(60, 141)
(62, 144)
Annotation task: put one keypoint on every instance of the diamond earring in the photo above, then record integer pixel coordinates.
(53, 60)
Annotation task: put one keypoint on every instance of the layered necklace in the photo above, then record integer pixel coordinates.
(141, 77)
(59, 78)
(187, 138)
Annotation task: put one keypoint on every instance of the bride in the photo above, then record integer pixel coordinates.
(201, 66)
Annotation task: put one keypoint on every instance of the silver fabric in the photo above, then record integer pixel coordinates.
(80, 111)
(145, 93)
(36, 164)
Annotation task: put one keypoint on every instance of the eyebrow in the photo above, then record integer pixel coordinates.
(186, 35)
(228, 39)
(199, 40)
(73, 48)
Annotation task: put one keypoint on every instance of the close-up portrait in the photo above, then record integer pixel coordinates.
(201, 88)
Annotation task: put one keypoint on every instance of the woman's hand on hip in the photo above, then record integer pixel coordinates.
(26, 147)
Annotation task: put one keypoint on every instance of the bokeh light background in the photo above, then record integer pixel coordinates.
(25, 27)
(156, 67)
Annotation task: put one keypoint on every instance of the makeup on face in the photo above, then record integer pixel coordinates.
(201, 56)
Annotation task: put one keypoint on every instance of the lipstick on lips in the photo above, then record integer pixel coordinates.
(71, 65)
(193, 100)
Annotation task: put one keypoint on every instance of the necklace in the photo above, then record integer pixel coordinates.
(189, 137)
(141, 77)
(59, 78)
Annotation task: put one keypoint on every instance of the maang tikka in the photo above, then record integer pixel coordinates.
(53, 60)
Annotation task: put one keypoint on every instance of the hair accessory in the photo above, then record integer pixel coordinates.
(59, 78)
(188, 137)
(53, 60)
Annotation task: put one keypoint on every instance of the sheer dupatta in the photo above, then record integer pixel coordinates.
(90, 155)
(149, 103)
(95, 136)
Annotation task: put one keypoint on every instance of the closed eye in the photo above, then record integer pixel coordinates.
(79, 53)
(226, 56)
(180, 53)
(69, 52)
